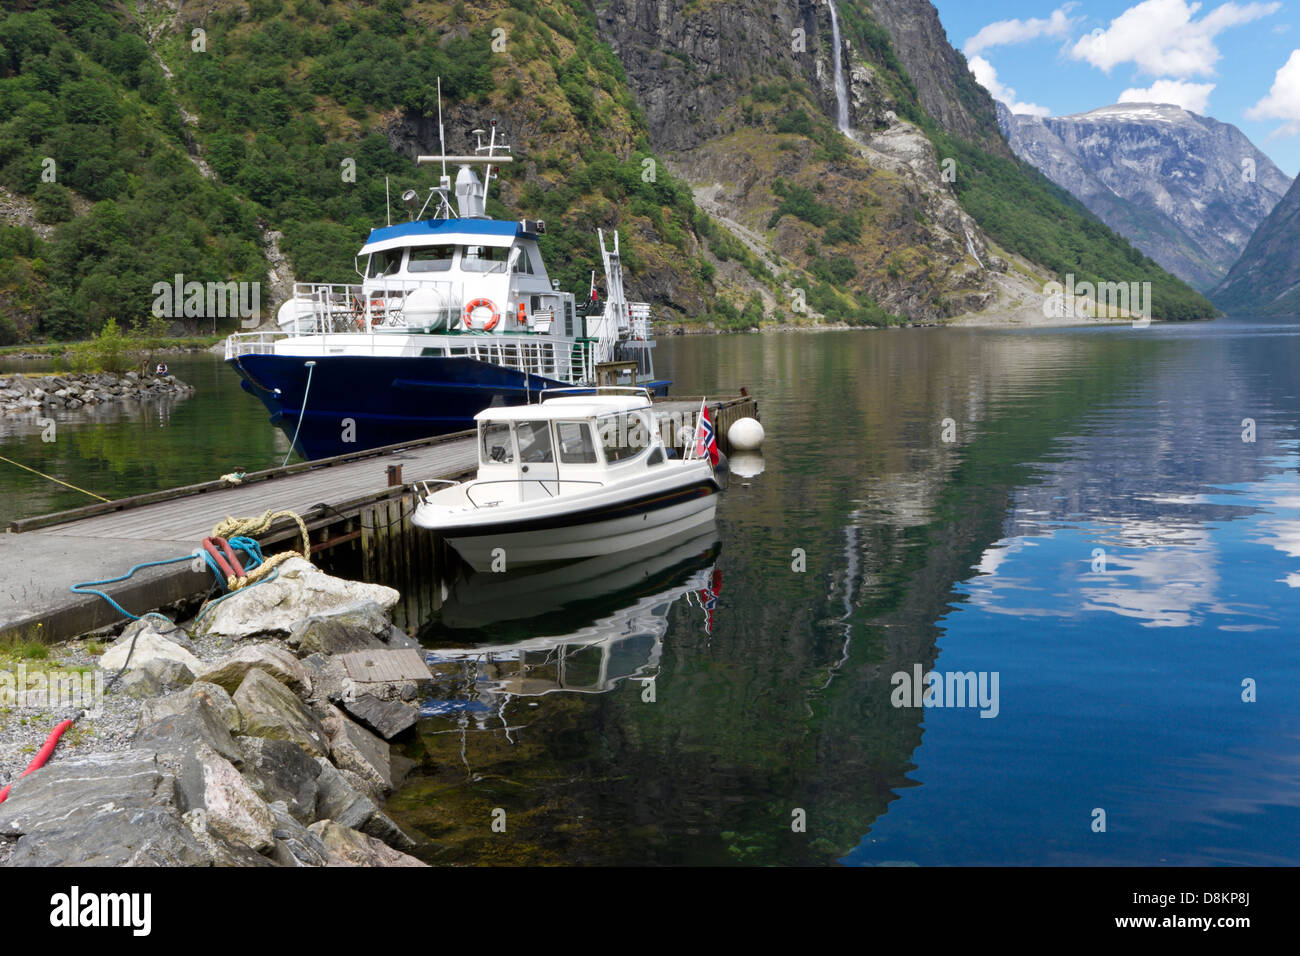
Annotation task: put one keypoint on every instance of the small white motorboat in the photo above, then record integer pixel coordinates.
(572, 476)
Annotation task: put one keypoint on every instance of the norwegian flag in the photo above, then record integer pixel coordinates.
(709, 599)
(706, 440)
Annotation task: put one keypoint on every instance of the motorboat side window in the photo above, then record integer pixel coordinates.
(384, 263)
(497, 446)
(534, 442)
(622, 437)
(576, 446)
(431, 258)
(484, 258)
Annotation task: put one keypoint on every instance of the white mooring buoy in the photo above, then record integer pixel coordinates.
(746, 434)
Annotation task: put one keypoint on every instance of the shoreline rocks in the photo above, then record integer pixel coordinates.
(73, 390)
(258, 758)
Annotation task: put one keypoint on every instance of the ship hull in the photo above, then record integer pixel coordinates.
(355, 403)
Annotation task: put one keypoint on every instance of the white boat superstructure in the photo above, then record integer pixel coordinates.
(572, 476)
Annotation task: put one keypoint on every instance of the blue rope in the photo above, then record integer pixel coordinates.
(238, 543)
(86, 586)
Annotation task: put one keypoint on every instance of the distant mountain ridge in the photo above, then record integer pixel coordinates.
(1187, 190)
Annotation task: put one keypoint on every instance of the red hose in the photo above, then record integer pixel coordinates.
(43, 755)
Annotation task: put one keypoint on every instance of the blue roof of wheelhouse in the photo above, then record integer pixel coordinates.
(432, 228)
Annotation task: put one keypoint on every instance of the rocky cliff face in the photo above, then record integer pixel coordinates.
(943, 81)
(1187, 190)
(739, 95)
(1267, 276)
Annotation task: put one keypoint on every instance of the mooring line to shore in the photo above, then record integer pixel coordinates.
(52, 478)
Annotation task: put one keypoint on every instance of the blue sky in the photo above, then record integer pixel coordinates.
(1238, 62)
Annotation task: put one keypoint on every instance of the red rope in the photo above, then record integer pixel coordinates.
(43, 755)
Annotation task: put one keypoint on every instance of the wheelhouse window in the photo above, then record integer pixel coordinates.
(384, 263)
(497, 445)
(524, 264)
(484, 258)
(576, 446)
(534, 442)
(622, 436)
(431, 258)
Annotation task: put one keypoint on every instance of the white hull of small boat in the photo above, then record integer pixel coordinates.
(571, 477)
(585, 540)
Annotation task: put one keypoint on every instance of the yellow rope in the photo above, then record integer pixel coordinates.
(254, 527)
(52, 478)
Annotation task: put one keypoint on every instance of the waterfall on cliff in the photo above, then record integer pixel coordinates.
(841, 88)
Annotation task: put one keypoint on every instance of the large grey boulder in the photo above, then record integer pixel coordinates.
(300, 590)
(347, 847)
(387, 718)
(219, 850)
(150, 645)
(229, 672)
(150, 836)
(295, 845)
(354, 748)
(271, 710)
(180, 701)
(180, 733)
(330, 634)
(233, 809)
(76, 789)
(282, 772)
(339, 800)
(115, 809)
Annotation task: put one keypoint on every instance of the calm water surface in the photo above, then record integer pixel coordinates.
(1096, 533)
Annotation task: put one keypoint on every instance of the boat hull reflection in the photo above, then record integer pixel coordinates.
(582, 627)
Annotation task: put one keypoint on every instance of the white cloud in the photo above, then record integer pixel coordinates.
(1193, 97)
(1283, 100)
(1161, 37)
(1018, 31)
(987, 77)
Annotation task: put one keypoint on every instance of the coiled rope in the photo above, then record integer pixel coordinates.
(233, 529)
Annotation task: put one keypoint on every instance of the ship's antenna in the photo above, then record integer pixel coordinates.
(388, 208)
(487, 173)
(442, 147)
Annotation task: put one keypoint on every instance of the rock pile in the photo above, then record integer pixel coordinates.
(274, 753)
(25, 393)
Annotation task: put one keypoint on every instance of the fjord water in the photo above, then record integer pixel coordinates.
(1096, 533)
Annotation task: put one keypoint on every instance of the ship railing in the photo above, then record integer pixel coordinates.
(566, 360)
(639, 322)
(377, 305)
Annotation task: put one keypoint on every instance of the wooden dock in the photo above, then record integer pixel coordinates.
(362, 500)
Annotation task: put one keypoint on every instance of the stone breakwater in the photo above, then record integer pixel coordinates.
(254, 741)
(29, 393)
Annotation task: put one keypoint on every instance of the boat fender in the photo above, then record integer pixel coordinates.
(481, 303)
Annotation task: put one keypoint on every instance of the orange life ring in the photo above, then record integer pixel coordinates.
(491, 323)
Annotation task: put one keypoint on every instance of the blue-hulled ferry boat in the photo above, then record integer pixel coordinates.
(454, 313)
